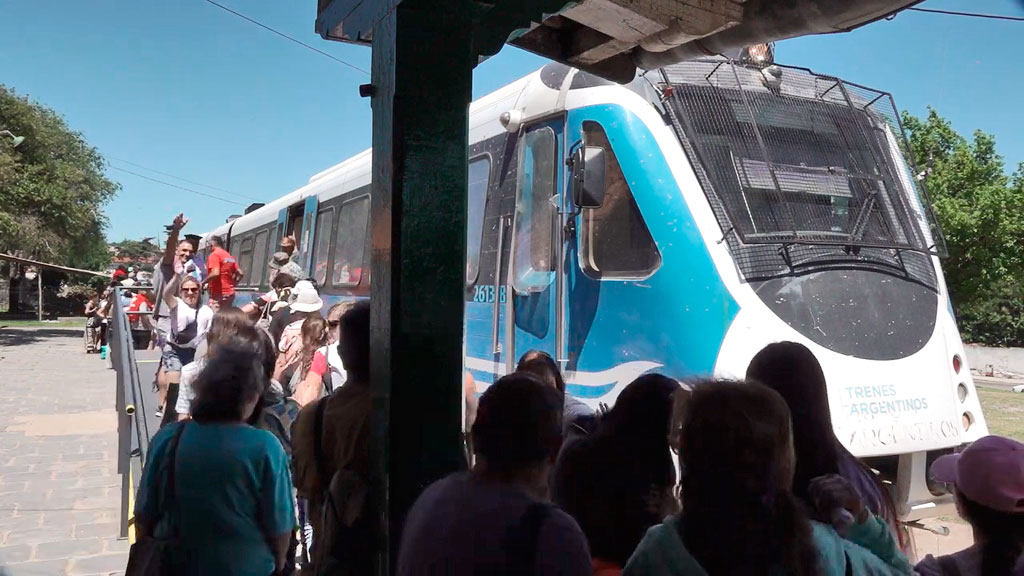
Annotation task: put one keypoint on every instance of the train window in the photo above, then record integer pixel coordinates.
(350, 243)
(479, 175)
(295, 231)
(321, 252)
(534, 258)
(614, 239)
(259, 259)
(245, 260)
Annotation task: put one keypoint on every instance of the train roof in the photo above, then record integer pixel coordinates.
(536, 94)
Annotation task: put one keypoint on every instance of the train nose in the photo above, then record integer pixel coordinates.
(860, 313)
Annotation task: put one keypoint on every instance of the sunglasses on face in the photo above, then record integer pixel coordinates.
(190, 290)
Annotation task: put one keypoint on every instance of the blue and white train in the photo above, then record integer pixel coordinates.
(680, 224)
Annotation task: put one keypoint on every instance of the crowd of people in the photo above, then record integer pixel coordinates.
(263, 465)
(137, 303)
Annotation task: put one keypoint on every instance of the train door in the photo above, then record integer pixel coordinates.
(299, 221)
(537, 240)
(609, 254)
(282, 227)
(305, 241)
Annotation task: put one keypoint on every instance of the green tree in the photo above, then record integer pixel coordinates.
(137, 250)
(52, 188)
(981, 211)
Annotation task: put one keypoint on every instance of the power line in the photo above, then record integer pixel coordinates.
(969, 14)
(155, 171)
(283, 35)
(144, 177)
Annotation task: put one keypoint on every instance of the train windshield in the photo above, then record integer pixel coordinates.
(791, 157)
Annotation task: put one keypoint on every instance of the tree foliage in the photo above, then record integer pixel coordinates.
(981, 211)
(136, 250)
(52, 188)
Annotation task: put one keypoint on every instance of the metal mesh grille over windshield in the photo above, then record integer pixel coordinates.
(796, 158)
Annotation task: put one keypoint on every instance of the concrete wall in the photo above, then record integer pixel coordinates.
(1001, 359)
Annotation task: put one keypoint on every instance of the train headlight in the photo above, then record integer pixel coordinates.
(961, 392)
(957, 363)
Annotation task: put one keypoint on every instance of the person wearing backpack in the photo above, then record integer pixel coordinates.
(496, 518)
(282, 280)
(306, 303)
(303, 300)
(331, 459)
(307, 380)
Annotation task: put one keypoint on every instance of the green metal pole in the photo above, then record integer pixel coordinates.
(421, 88)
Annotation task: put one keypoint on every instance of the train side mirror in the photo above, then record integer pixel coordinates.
(588, 166)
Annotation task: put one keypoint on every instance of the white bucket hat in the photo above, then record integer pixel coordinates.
(305, 298)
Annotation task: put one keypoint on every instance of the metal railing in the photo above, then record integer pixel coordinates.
(133, 428)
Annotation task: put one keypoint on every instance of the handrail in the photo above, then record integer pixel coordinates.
(132, 426)
(496, 306)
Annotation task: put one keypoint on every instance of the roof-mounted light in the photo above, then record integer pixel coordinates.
(511, 120)
(759, 54)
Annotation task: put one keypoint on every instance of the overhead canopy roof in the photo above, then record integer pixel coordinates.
(612, 38)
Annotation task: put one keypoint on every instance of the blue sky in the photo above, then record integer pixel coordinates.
(188, 89)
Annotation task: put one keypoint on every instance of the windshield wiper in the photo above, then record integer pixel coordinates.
(860, 226)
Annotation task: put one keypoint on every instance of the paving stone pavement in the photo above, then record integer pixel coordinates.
(60, 492)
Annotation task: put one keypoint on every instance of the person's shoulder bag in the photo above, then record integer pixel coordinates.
(948, 566)
(265, 317)
(161, 556)
(523, 541)
(341, 547)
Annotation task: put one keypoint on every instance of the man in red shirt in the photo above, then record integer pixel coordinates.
(140, 323)
(222, 273)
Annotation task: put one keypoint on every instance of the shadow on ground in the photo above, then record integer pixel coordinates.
(21, 336)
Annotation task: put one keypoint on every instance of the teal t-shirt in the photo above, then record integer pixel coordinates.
(233, 492)
(870, 550)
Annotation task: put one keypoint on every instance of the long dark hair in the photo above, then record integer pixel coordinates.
(792, 370)
(229, 379)
(739, 515)
(314, 335)
(1001, 535)
(615, 481)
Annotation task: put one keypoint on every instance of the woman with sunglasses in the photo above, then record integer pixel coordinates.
(334, 376)
(189, 323)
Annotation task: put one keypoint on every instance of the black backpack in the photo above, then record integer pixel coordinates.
(345, 543)
(523, 540)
